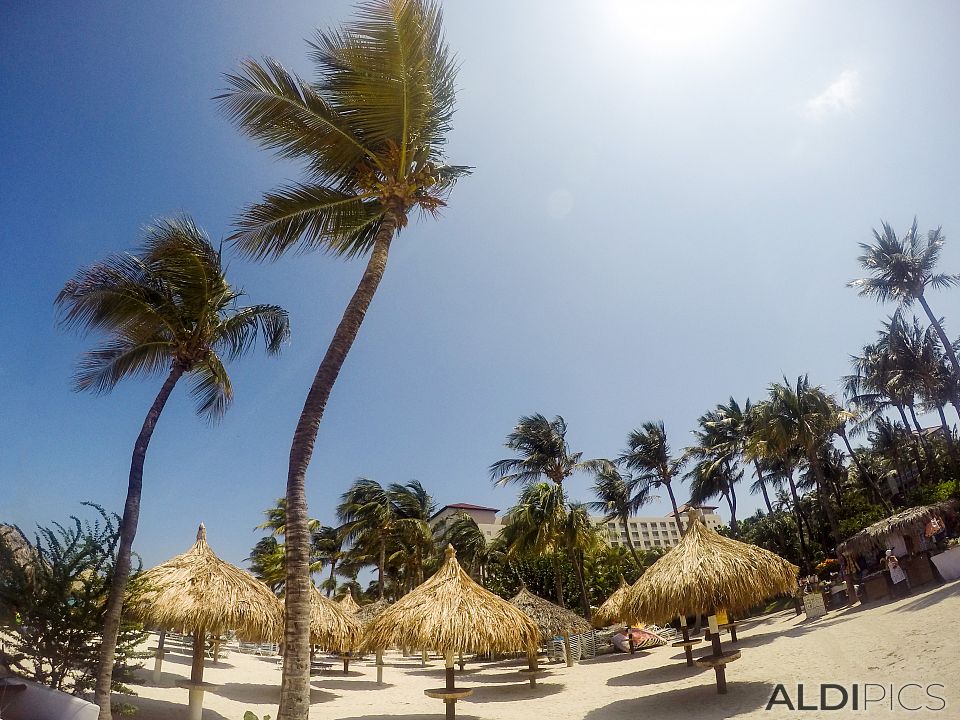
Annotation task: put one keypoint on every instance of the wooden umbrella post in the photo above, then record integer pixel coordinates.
(687, 650)
(196, 675)
(718, 659)
(423, 658)
(532, 662)
(158, 663)
(461, 662)
(379, 667)
(567, 651)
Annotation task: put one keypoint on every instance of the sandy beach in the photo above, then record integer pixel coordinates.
(911, 640)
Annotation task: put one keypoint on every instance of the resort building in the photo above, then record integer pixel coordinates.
(646, 531)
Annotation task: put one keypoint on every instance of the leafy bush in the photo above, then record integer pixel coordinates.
(54, 599)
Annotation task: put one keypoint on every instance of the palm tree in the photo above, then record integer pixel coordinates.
(413, 507)
(804, 417)
(371, 131)
(167, 310)
(901, 269)
(619, 497)
(544, 454)
(267, 562)
(537, 525)
(368, 518)
(473, 548)
(648, 454)
(326, 547)
(276, 521)
(580, 535)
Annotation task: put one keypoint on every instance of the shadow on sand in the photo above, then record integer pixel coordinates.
(513, 692)
(178, 659)
(691, 703)
(327, 682)
(428, 716)
(259, 693)
(161, 708)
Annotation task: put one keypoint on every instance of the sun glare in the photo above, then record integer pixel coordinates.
(662, 27)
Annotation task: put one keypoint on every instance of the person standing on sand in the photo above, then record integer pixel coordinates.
(897, 575)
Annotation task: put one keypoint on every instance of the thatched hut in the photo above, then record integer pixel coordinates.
(551, 619)
(903, 531)
(199, 591)
(611, 612)
(331, 626)
(366, 614)
(704, 573)
(452, 614)
(348, 604)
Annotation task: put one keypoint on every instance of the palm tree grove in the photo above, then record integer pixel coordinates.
(555, 438)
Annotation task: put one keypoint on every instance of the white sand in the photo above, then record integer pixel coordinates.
(915, 639)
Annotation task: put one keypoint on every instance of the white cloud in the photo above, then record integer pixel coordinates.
(841, 96)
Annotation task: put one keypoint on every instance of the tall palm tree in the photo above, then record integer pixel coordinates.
(902, 269)
(544, 454)
(413, 507)
(580, 536)
(648, 454)
(368, 518)
(473, 548)
(619, 497)
(276, 521)
(326, 546)
(804, 417)
(167, 310)
(371, 131)
(537, 526)
(267, 562)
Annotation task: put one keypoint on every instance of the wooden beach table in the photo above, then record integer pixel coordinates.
(732, 627)
(687, 645)
(719, 663)
(449, 697)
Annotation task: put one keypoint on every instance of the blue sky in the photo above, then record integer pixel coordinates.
(664, 212)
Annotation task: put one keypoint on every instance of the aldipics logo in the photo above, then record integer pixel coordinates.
(861, 697)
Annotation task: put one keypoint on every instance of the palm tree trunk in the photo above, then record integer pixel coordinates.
(734, 528)
(295, 684)
(799, 514)
(331, 585)
(944, 340)
(557, 579)
(380, 567)
(584, 597)
(927, 450)
(633, 549)
(868, 476)
(951, 445)
(673, 503)
(763, 487)
(128, 531)
(911, 442)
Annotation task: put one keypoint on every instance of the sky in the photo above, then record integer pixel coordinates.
(665, 208)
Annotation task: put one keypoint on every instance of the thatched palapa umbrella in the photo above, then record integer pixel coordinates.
(333, 627)
(551, 619)
(452, 614)
(199, 591)
(611, 611)
(348, 604)
(706, 572)
(365, 615)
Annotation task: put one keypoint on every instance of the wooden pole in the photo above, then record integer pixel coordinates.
(423, 658)
(532, 664)
(717, 652)
(451, 681)
(195, 711)
(461, 662)
(567, 650)
(158, 663)
(379, 667)
(686, 638)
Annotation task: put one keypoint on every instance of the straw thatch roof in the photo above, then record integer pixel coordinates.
(550, 618)
(611, 612)
(199, 591)
(909, 521)
(348, 604)
(452, 613)
(705, 572)
(367, 613)
(331, 627)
